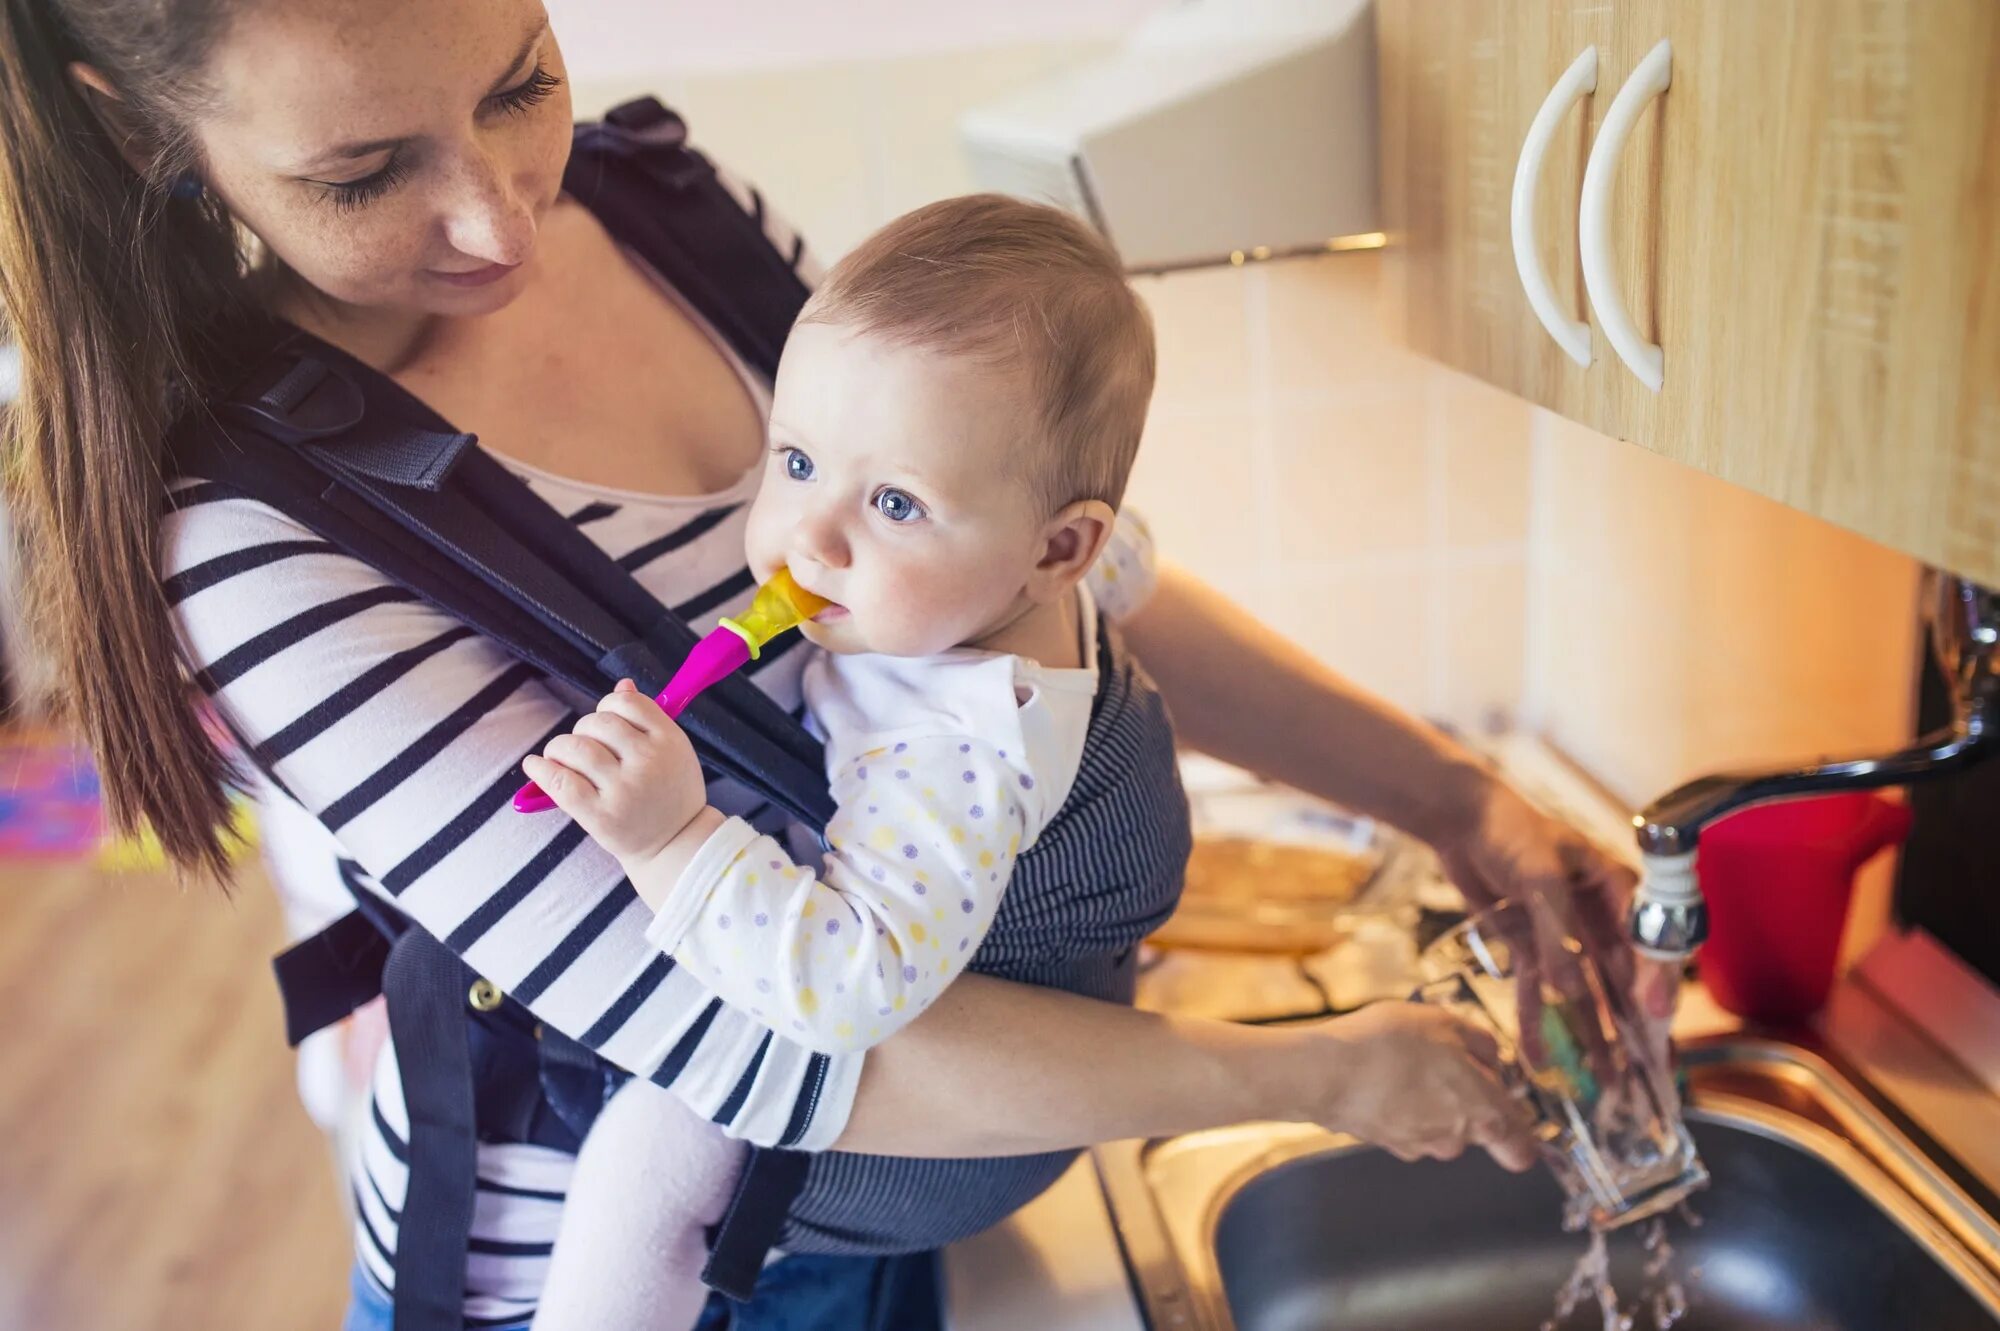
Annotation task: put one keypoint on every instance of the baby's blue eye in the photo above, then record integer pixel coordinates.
(898, 507)
(797, 465)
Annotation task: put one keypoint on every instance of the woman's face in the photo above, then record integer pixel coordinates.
(395, 154)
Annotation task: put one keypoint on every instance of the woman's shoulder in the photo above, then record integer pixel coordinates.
(231, 567)
(204, 518)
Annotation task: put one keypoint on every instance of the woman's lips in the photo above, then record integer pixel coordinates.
(477, 277)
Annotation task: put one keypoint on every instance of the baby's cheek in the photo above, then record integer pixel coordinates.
(929, 608)
(760, 549)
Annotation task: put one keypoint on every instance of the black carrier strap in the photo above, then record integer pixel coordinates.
(730, 272)
(348, 453)
(426, 985)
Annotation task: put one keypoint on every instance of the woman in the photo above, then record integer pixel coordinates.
(398, 163)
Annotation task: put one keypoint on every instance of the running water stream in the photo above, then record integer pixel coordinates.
(1662, 1296)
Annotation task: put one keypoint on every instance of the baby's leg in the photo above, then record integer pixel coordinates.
(651, 1175)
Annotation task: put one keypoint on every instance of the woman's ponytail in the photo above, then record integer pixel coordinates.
(124, 299)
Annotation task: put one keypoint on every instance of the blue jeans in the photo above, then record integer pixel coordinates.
(796, 1294)
(806, 1293)
(368, 1309)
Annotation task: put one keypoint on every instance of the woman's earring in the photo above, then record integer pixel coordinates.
(187, 185)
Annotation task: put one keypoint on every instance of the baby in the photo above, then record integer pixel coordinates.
(953, 421)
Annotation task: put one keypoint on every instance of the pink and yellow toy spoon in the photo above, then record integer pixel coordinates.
(779, 605)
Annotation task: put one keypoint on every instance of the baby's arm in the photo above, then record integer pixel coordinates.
(921, 848)
(920, 851)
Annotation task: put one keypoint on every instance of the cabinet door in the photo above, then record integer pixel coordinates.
(1460, 82)
(1808, 223)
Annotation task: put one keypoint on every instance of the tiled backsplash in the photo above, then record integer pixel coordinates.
(1366, 502)
(1679, 624)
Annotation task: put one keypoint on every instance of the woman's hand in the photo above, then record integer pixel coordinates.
(627, 774)
(1509, 850)
(1414, 1080)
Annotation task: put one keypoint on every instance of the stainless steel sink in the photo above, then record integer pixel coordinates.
(1823, 1214)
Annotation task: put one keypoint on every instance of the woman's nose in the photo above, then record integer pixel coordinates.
(487, 218)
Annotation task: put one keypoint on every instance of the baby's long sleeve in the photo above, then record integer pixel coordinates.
(919, 853)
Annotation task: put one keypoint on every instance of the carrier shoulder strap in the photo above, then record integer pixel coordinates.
(665, 201)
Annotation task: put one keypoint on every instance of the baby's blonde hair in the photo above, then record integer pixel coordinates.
(1028, 288)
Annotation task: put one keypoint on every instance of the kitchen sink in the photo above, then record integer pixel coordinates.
(1824, 1213)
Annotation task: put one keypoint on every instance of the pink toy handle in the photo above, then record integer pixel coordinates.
(721, 654)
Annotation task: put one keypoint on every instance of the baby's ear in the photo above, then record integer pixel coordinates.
(1071, 542)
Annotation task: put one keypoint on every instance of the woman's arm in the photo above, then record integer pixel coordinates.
(1240, 691)
(403, 733)
(1007, 1069)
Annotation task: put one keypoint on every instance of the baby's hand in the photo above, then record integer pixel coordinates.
(627, 774)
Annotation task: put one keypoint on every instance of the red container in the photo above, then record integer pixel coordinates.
(1777, 878)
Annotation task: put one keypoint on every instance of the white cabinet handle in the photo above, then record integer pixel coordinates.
(1600, 267)
(1580, 79)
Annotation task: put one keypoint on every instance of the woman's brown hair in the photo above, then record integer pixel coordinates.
(125, 295)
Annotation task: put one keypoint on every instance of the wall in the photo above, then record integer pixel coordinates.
(618, 39)
(1371, 504)
(1680, 624)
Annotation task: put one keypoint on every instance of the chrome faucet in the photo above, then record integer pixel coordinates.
(1669, 920)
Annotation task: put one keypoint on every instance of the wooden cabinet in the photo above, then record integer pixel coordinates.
(1806, 221)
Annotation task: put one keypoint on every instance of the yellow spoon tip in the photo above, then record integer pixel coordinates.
(780, 604)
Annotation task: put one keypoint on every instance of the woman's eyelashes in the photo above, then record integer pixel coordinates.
(531, 92)
(897, 505)
(347, 194)
(537, 88)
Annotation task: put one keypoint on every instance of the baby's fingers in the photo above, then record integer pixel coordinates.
(568, 789)
(633, 707)
(594, 762)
